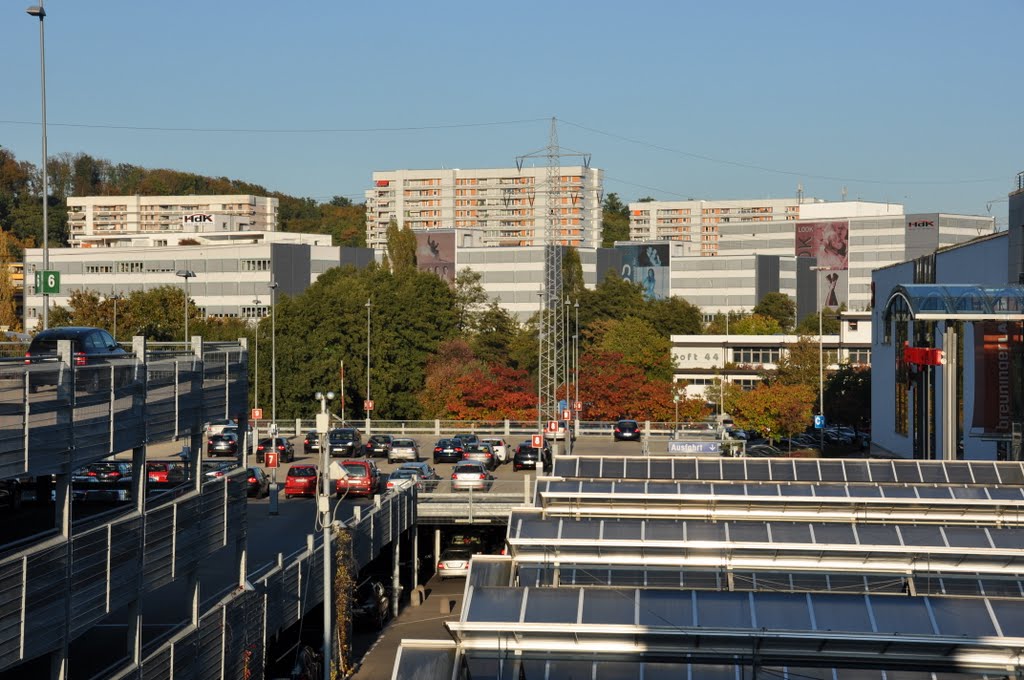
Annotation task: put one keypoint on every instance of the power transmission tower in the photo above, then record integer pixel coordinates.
(552, 342)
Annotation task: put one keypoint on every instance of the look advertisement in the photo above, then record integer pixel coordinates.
(647, 265)
(829, 244)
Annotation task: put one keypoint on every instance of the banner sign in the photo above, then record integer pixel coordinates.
(997, 375)
(695, 447)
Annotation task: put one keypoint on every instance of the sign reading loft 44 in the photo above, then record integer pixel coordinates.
(48, 282)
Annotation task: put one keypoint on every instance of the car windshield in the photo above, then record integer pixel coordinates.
(456, 554)
(478, 469)
(343, 435)
(399, 443)
(302, 472)
(403, 473)
(627, 423)
(355, 470)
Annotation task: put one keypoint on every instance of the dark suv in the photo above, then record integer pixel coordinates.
(527, 457)
(344, 441)
(627, 430)
(379, 446)
(89, 346)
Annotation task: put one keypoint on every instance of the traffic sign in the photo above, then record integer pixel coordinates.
(367, 404)
(538, 441)
(577, 406)
(566, 414)
(48, 282)
(819, 422)
(256, 414)
(270, 458)
(552, 426)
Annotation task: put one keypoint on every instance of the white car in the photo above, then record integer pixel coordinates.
(559, 433)
(500, 448)
(403, 449)
(218, 426)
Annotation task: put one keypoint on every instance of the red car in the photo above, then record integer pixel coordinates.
(301, 481)
(363, 478)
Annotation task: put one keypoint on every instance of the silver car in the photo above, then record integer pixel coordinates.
(471, 476)
(404, 449)
(501, 449)
(454, 562)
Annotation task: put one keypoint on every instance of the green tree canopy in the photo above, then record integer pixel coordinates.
(799, 364)
(829, 323)
(637, 342)
(780, 307)
(848, 396)
(615, 220)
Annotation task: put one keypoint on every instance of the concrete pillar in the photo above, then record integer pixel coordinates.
(437, 547)
(396, 580)
(415, 557)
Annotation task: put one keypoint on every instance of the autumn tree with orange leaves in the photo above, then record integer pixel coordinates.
(775, 410)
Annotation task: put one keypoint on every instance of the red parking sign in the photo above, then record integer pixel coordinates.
(552, 426)
(257, 414)
(538, 441)
(566, 414)
(270, 458)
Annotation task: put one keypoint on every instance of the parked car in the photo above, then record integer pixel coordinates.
(447, 451)
(301, 481)
(215, 469)
(311, 443)
(284, 448)
(425, 477)
(259, 483)
(469, 475)
(372, 606)
(764, 451)
(165, 471)
(218, 426)
(454, 562)
(344, 441)
(627, 430)
(378, 446)
(224, 444)
(234, 429)
(481, 453)
(89, 346)
(109, 472)
(404, 449)
(363, 478)
(467, 438)
(502, 451)
(528, 458)
(560, 431)
(103, 481)
(10, 493)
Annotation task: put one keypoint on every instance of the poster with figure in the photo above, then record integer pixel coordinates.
(998, 374)
(647, 265)
(435, 252)
(829, 242)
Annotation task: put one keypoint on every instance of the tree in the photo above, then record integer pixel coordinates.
(453, 359)
(470, 297)
(572, 275)
(775, 410)
(495, 332)
(829, 323)
(612, 389)
(848, 396)
(799, 364)
(637, 342)
(615, 220)
(8, 311)
(755, 324)
(674, 316)
(778, 306)
(401, 248)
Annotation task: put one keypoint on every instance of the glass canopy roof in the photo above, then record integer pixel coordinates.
(925, 301)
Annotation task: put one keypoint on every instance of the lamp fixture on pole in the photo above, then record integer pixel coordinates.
(322, 424)
(820, 302)
(186, 274)
(273, 356)
(38, 11)
(256, 367)
(369, 304)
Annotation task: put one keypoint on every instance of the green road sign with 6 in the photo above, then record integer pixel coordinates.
(48, 282)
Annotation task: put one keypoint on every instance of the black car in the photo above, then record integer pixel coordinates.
(283, 447)
(378, 445)
(527, 458)
(224, 444)
(259, 483)
(372, 606)
(311, 444)
(448, 451)
(466, 438)
(89, 346)
(344, 441)
(627, 430)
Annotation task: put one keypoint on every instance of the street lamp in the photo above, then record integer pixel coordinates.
(38, 11)
(256, 377)
(576, 358)
(322, 424)
(368, 409)
(115, 298)
(186, 274)
(820, 303)
(273, 356)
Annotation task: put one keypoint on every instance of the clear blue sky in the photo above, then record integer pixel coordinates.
(908, 101)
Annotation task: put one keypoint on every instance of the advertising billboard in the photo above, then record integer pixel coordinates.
(829, 242)
(435, 252)
(921, 235)
(997, 375)
(647, 265)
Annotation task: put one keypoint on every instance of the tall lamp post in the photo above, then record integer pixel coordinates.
(186, 274)
(820, 302)
(273, 356)
(256, 376)
(322, 425)
(38, 11)
(576, 359)
(369, 410)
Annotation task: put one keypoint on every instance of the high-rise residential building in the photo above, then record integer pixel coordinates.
(508, 205)
(116, 220)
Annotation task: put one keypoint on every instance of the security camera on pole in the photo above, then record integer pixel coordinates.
(327, 479)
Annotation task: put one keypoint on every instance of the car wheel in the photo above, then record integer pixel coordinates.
(287, 495)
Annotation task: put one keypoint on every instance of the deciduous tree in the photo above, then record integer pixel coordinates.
(778, 306)
(775, 410)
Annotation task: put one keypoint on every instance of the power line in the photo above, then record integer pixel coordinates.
(417, 128)
(750, 166)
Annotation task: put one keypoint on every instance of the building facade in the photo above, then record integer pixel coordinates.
(510, 206)
(117, 220)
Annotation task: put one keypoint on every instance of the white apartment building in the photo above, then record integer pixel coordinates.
(117, 220)
(510, 206)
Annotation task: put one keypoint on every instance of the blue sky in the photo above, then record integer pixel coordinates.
(913, 102)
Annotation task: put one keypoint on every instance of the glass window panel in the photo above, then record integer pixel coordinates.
(807, 471)
(864, 491)
(663, 577)
(609, 607)
(569, 668)
(847, 583)
(1004, 494)
(707, 671)
(834, 533)
(622, 529)
(962, 617)
(709, 469)
(907, 615)
(633, 578)
(887, 584)
(538, 528)
(685, 468)
(928, 535)
(581, 528)
(984, 473)
(1002, 588)
(425, 663)
(758, 470)
(612, 468)
(877, 534)
(596, 486)
(932, 472)
(562, 487)
(832, 471)
(907, 472)
(586, 575)
(748, 532)
(661, 469)
(535, 575)
(734, 469)
(495, 604)
(958, 585)
(616, 670)
(829, 491)
(969, 492)
(723, 610)
(695, 488)
(1010, 473)
(841, 612)
(898, 492)
(636, 468)
(702, 580)
(697, 530)
(782, 611)
(782, 470)
(790, 532)
(664, 670)
(809, 582)
(590, 467)
(856, 471)
(966, 537)
(491, 573)
(1007, 537)
(665, 530)
(633, 487)
(795, 489)
(958, 472)
(881, 472)
(481, 665)
(762, 489)
(933, 492)
(665, 608)
(663, 488)
(565, 467)
(552, 605)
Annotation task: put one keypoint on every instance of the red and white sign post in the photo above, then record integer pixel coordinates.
(271, 460)
(538, 441)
